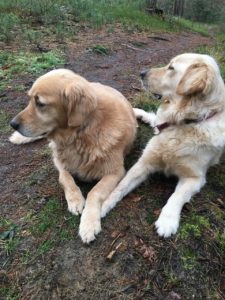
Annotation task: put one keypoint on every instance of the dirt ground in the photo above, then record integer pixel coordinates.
(44, 258)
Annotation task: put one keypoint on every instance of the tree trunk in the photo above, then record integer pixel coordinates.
(178, 8)
(152, 3)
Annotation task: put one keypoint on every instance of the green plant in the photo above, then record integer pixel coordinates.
(8, 23)
(4, 122)
(146, 102)
(188, 258)
(195, 225)
(8, 236)
(13, 64)
(99, 49)
(217, 50)
(9, 293)
(182, 23)
(220, 239)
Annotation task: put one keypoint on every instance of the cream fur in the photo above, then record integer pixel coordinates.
(192, 88)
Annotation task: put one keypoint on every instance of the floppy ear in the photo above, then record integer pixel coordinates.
(197, 79)
(80, 102)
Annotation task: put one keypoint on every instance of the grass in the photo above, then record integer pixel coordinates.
(9, 239)
(188, 258)
(99, 49)
(9, 293)
(52, 219)
(4, 122)
(14, 64)
(217, 50)
(28, 20)
(144, 101)
(201, 28)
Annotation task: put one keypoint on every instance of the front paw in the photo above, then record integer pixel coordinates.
(90, 226)
(75, 203)
(167, 223)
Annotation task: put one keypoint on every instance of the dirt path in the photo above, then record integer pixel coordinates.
(46, 259)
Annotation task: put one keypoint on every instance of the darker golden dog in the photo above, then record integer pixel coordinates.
(90, 127)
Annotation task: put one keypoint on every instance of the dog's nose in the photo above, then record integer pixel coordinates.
(15, 125)
(143, 74)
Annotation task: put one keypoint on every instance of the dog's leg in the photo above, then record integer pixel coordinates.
(73, 195)
(90, 224)
(147, 117)
(17, 138)
(136, 175)
(168, 221)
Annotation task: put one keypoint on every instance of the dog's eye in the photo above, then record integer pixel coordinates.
(170, 68)
(38, 102)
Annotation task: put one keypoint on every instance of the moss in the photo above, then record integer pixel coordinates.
(188, 258)
(193, 226)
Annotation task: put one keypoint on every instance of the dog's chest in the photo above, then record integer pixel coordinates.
(84, 161)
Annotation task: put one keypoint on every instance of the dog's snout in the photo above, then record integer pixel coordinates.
(15, 125)
(143, 74)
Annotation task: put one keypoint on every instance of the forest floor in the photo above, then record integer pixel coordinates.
(42, 256)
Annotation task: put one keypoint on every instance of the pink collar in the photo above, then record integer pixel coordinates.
(164, 125)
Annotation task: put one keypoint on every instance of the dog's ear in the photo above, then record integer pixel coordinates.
(80, 102)
(197, 79)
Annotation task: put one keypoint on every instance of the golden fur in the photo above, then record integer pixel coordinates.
(90, 127)
(190, 124)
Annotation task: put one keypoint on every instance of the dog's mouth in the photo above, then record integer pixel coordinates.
(146, 88)
(32, 135)
(157, 96)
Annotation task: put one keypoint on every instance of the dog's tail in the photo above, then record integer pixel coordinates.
(17, 138)
(146, 117)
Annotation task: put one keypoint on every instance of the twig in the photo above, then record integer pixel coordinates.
(112, 253)
(133, 48)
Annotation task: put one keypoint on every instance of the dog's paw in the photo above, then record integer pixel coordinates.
(167, 223)
(90, 226)
(75, 204)
(17, 138)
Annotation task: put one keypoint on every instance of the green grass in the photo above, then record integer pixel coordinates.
(188, 258)
(4, 122)
(9, 293)
(99, 49)
(23, 18)
(14, 64)
(144, 101)
(52, 219)
(36, 21)
(8, 237)
(220, 239)
(130, 14)
(201, 28)
(47, 218)
(8, 23)
(216, 50)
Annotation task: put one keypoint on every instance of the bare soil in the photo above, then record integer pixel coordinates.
(42, 265)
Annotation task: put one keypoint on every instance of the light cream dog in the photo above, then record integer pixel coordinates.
(191, 132)
(90, 127)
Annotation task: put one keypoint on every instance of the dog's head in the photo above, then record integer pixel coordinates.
(186, 75)
(58, 99)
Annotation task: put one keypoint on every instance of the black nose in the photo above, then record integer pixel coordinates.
(143, 74)
(15, 125)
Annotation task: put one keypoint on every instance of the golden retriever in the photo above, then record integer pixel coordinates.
(190, 127)
(90, 127)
